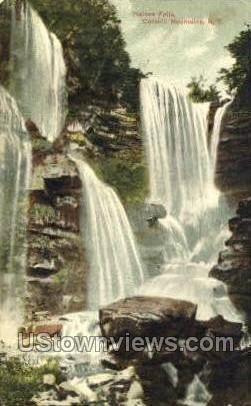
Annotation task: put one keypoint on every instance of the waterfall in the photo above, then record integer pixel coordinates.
(38, 72)
(15, 170)
(176, 145)
(216, 134)
(115, 268)
(197, 394)
(181, 171)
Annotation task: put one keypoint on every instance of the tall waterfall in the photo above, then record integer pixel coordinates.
(38, 72)
(115, 268)
(15, 168)
(176, 144)
(216, 134)
(181, 169)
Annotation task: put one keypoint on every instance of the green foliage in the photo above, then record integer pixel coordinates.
(127, 177)
(78, 138)
(19, 381)
(97, 62)
(240, 50)
(61, 278)
(41, 213)
(41, 145)
(199, 93)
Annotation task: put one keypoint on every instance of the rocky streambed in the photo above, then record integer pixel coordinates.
(153, 375)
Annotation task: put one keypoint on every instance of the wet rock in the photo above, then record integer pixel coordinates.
(157, 211)
(126, 375)
(219, 327)
(66, 389)
(45, 398)
(60, 174)
(53, 328)
(44, 295)
(147, 316)
(81, 387)
(32, 128)
(230, 382)
(56, 256)
(244, 209)
(157, 387)
(43, 269)
(100, 379)
(234, 263)
(233, 170)
(41, 316)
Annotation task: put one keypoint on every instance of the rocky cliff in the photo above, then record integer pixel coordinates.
(57, 269)
(233, 174)
(56, 265)
(233, 171)
(234, 265)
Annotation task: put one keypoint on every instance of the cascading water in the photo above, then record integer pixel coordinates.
(197, 394)
(179, 162)
(216, 135)
(181, 171)
(15, 169)
(115, 268)
(38, 72)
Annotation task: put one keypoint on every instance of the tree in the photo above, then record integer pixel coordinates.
(240, 49)
(97, 62)
(199, 93)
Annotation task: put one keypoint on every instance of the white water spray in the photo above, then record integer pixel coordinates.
(115, 268)
(216, 134)
(181, 170)
(15, 171)
(38, 72)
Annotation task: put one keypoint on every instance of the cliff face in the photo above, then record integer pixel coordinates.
(57, 267)
(234, 265)
(56, 264)
(233, 172)
(111, 143)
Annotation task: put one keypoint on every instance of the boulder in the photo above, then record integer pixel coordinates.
(219, 327)
(147, 317)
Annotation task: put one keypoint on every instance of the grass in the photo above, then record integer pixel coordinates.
(19, 381)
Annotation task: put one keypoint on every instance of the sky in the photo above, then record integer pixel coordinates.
(176, 52)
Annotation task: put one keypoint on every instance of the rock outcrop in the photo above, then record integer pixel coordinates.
(166, 377)
(147, 316)
(233, 171)
(154, 318)
(56, 265)
(234, 264)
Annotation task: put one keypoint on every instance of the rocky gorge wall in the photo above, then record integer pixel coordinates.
(233, 174)
(57, 268)
(234, 265)
(56, 265)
